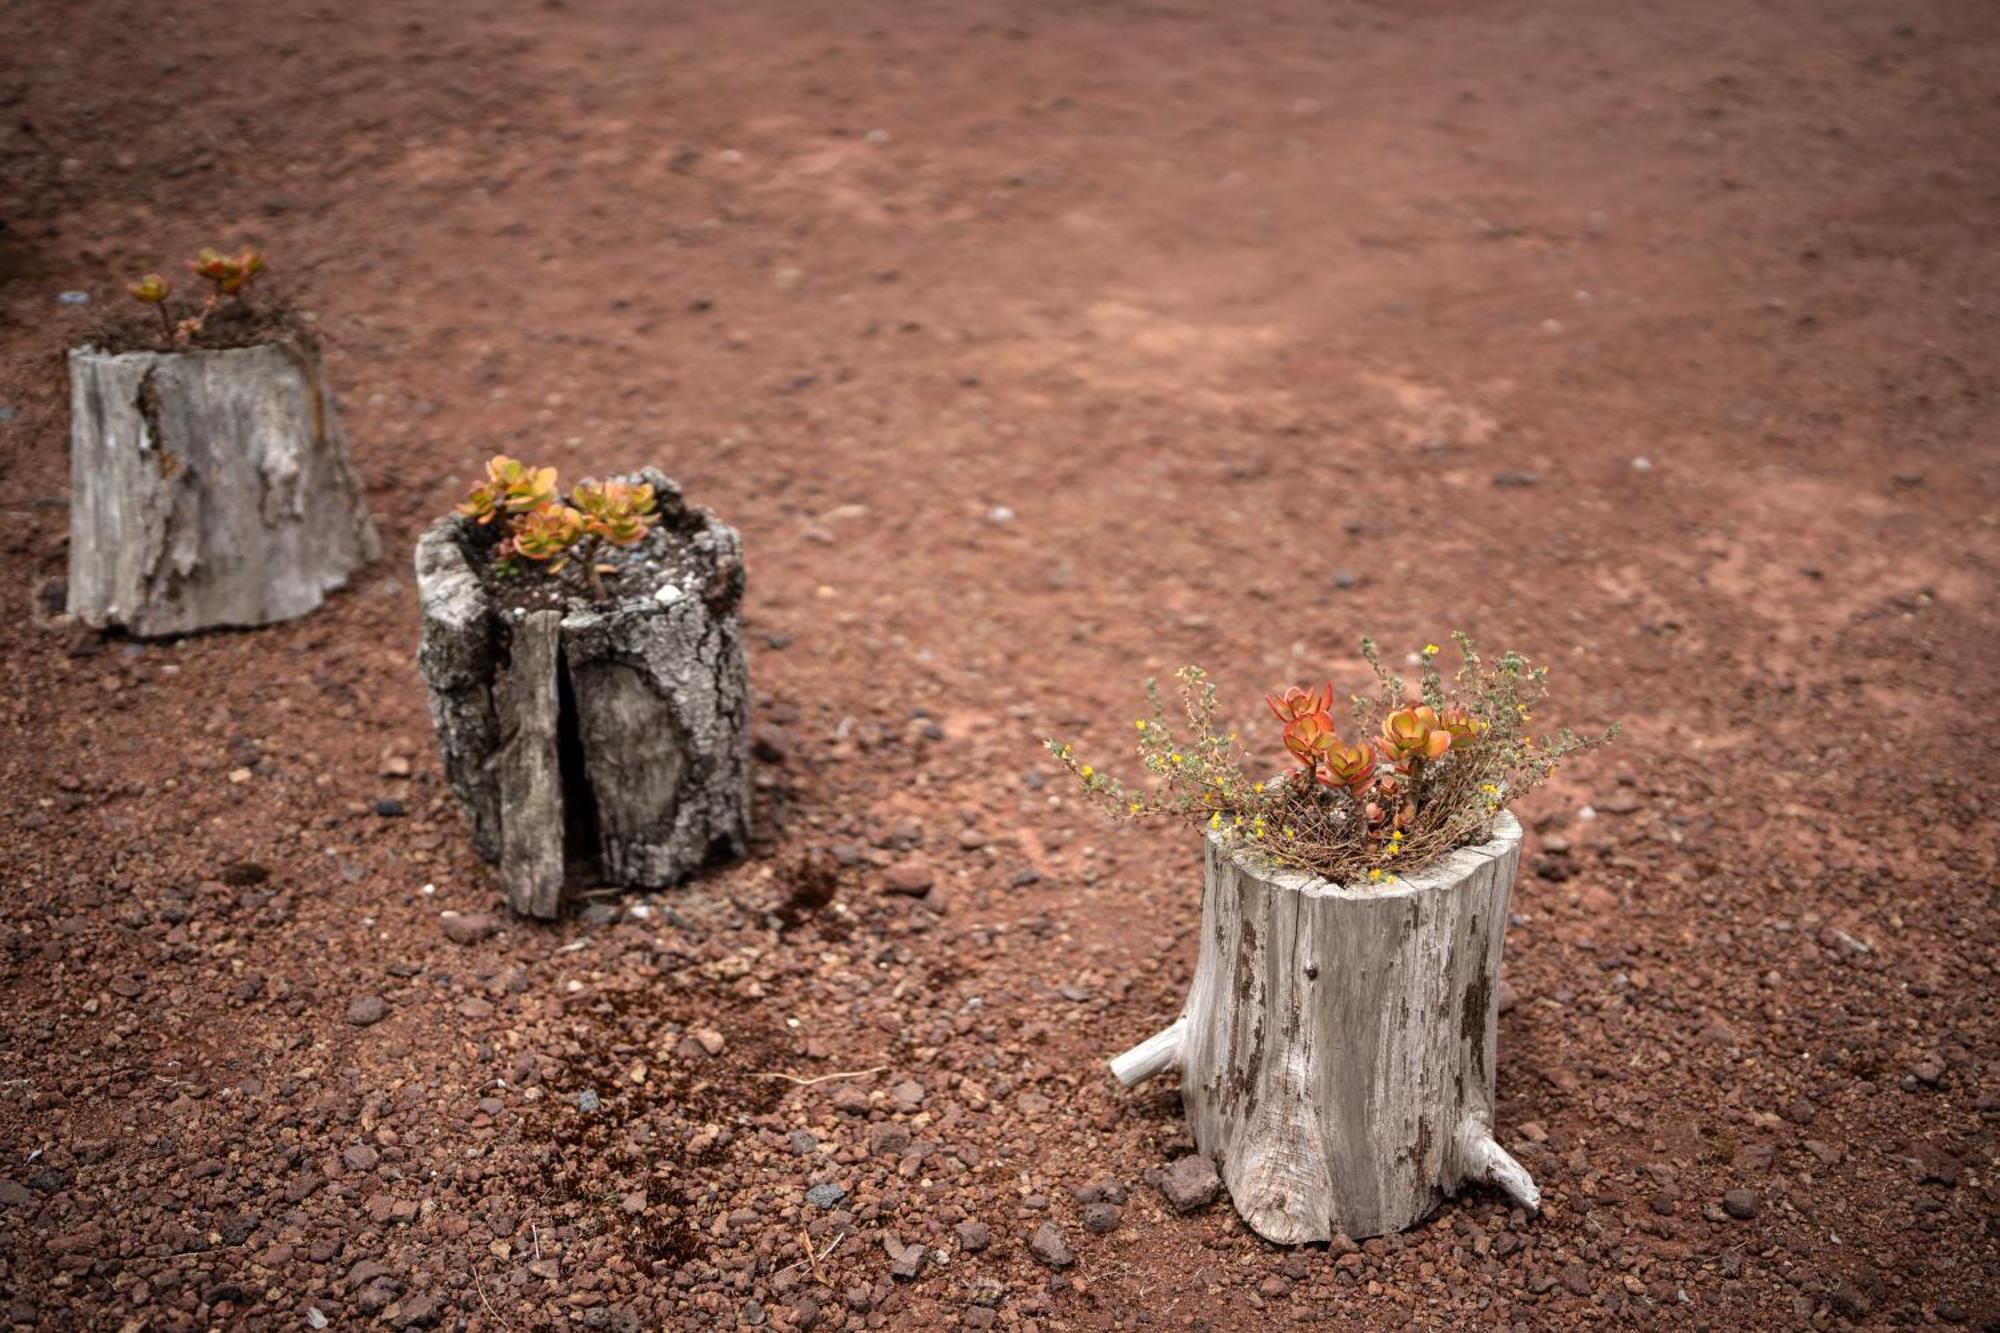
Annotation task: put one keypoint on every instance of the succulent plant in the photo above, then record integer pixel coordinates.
(546, 534)
(1414, 733)
(1422, 777)
(542, 529)
(620, 512)
(231, 274)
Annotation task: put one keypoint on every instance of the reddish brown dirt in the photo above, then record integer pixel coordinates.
(1272, 325)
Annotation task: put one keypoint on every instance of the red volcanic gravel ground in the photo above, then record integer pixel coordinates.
(1034, 348)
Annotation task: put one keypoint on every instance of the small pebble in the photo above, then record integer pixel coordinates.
(1051, 1246)
(1191, 1183)
(910, 878)
(908, 1263)
(467, 927)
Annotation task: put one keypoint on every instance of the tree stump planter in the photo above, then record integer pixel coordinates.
(607, 740)
(1336, 1052)
(208, 488)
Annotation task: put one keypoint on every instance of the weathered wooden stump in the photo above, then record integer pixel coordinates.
(1336, 1052)
(207, 488)
(603, 740)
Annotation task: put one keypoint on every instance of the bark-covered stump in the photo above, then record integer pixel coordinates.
(207, 488)
(594, 740)
(1336, 1052)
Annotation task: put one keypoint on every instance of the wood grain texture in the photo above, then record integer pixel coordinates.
(1161, 1051)
(207, 488)
(1337, 1055)
(652, 723)
(528, 766)
(459, 658)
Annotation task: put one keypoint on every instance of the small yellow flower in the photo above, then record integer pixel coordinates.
(1088, 771)
(1257, 786)
(1375, 875)
(1430, 650)
(1140, 723)
(1137, 806)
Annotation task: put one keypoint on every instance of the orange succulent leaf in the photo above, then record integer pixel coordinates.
(152, 289)
(1415, 732)
(483, 503)
(1349, 766)
(1461, 725)
(212, 264)
(1310, 737)
(547, 532)
(521, 488)
(1296, 703)
(620, 512)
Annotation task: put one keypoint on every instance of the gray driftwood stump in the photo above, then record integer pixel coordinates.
(608, 740)
(207, 488)
(1336, 1052)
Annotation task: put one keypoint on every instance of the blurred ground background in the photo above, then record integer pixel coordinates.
(1034, 348)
